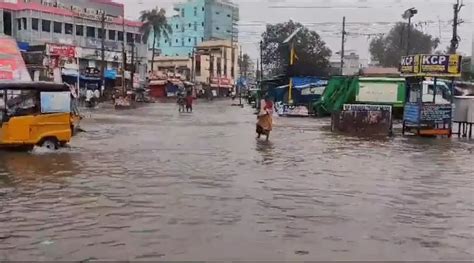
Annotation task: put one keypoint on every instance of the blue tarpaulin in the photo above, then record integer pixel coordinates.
(304, 82)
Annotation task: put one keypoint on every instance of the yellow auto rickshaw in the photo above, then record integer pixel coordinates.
(36, 114)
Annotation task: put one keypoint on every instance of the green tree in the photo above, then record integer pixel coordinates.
(154, 23)
(389, 49)
(312, 52)
(246, 65)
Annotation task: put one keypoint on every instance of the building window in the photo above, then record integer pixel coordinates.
(217, 13)
(217, 28)
(129, 37)
(34, 24)
(228, 15)
(68, 28)
(79, 30)
(18, 23)
(202, 24)
(198, 65)
(90, 31)
(112, 34)
(138, 39)
(182, 42)
(120, 36)
(99, 33)
(189, 40)
(46, 25)
(190, 25)
(195, 40)
(177, 41)
(58, 27)
(202, 39)
(203, 8)
(25, 23)
(182, 12)
(177, 26)
(195, 11)
(195, 26)
(219, 67)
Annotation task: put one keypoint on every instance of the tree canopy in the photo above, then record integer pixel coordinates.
(156, 24)
(389, 49)
(312, 53)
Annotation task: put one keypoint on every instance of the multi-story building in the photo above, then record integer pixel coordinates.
(197, 21)
(71, 31)
(216, 65)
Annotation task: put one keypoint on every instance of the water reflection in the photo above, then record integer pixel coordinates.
(22, 167)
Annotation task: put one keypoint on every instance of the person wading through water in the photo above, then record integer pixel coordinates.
(265, 120)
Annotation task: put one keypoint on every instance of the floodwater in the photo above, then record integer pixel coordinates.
(150, 184)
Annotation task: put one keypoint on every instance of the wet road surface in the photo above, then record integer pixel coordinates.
(150, 184)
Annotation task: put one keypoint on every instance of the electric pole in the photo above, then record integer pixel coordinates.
(102, 51)
(132, 68)
(343, 44)
(240, 73)
(124, 56)
(456, 22)
(261, 60)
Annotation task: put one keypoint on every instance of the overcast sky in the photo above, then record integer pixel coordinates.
(364, 18)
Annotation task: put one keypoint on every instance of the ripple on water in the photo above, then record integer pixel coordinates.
(149, 184)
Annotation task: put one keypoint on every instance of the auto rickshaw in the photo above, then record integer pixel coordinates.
(36, 114)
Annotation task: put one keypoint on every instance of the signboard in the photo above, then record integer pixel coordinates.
(436, 113)
(366, 107)
(427, 114)
(365, 120)
(97, 43)
(410, 65)
(431, 65)
(55, 102)
(61, 50)
(12, 65)
(313, 91)
(441, 65)
(412, 113)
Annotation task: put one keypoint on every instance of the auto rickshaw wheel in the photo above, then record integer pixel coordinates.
(50, 144)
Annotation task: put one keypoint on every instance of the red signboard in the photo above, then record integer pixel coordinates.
(12, 66)
(221, 81)
(62, 50)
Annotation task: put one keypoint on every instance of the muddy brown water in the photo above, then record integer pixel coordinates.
(150, 184)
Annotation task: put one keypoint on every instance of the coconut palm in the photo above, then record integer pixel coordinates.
(156, 24)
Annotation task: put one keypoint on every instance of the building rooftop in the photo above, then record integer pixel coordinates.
(21, 6)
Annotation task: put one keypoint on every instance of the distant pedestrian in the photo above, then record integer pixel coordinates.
(189, 102)
(181, 102)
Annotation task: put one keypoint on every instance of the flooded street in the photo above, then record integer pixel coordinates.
(150, 184)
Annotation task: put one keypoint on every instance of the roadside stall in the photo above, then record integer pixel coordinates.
(426, 111)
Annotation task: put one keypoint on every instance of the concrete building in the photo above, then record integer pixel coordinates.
(197, 21)
(177, 65)
(70, 31)
(216, 65)
(352, 64)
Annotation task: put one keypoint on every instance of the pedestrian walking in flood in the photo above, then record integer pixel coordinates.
(265, 119)
(189, 102)
(181, 102)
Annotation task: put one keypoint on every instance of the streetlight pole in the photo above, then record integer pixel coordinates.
(409, 14)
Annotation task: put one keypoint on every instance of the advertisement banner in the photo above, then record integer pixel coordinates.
(431, 65)
(410, 65)
(61, 50)
(12, 65)
(441, 65)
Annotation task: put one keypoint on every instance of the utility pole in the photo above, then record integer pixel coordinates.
(343, 44)
(132, 69)
(240, 73)
(261, 60)
(102, 51)
(124, 58)
(456, 22)
(409, 14)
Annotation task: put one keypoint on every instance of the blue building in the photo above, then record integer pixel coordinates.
(197, 21)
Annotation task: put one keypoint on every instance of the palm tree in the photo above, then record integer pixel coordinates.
(154, 22)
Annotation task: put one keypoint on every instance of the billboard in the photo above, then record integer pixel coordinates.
(431, 65)
(12, 65)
